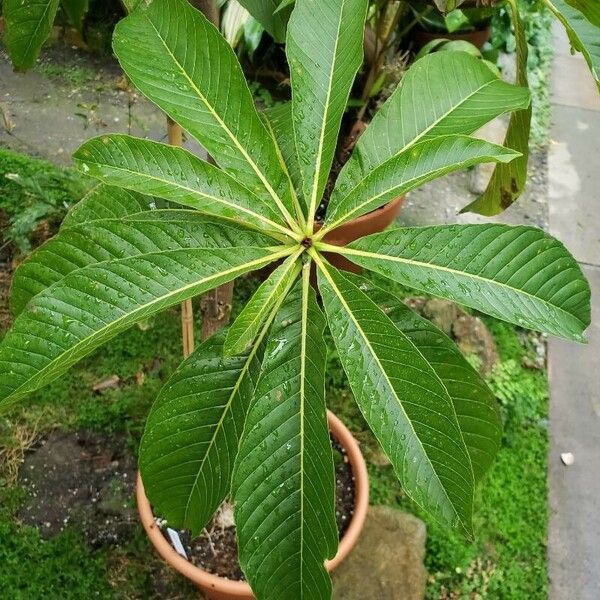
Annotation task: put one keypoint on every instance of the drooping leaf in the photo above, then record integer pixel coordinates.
(279, 121)
(107, 202)
(475, 405)
(248, 323)
(76, 11)
(324, 50)
(508, 180)
(94, 242)
(27, 27)
(403, 400)
(233, 19)
(409, 169)
(581, 19)
(441, 94)
(283, 483)
(516, 274)
(271, 15)
(181, 62)
(172, 173)
(91, 305)
(192, 433)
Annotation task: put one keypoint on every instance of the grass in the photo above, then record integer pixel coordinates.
(507, 559)
(34, 197)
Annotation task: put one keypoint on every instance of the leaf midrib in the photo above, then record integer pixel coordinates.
(235, 389)
(407, 182)
(233, 138)
(193, 192)
(115, 324)
(424, 265)
(429, 128)
(390, 386)
(317, 173)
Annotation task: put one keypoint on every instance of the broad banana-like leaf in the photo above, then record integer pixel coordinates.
(279, 121)
(409, 169)
(581, 19)
(283, 482)
(324, 50)
(249, 322)
(107, 202)
(176, 175)
(508, 180)
(475, 405)
(192, 433)
(233, 20)
(99, 241)
(516, 274)
(91, 305)
(271, 15)
(441, 94)
(76, 11)
(27, 26)
(206, 92)
(403, 400)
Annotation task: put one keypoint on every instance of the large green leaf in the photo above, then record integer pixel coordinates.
(475, 405)
(92, 305)
(409, 169)
(283, 483)
(181, 62)
(517, 274)
(176, 175)
(83, 245)
(192, 433)
(247, 325)
(508, 180)
(443, 93)
(76, 11)
(582, 22)
(324, 50)
(27, 26)
(403, 400)
(266, 13)
(107, 202)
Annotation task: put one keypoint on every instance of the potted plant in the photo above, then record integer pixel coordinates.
(470, 24)
(121, 257)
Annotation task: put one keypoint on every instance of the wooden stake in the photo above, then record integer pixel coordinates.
(187, 310)
(216, 304)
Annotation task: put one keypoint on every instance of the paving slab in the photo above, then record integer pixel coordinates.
(574, 193)
(50, 118)
(574, 529)
(574, 185)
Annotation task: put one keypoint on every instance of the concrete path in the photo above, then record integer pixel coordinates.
(68, 98)
(574, 203)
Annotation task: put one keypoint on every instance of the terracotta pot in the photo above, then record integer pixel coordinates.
(219, 588)
(478, 37)
(372, 222)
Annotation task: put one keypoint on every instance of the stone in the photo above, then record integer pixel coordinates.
(473, 337)
(387, 562)
(469, 332)
(441, 313)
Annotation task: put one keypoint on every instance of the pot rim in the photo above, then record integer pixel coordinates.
(241, 589)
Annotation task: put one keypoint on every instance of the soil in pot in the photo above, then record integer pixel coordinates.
(215, 550)
(477, 37)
